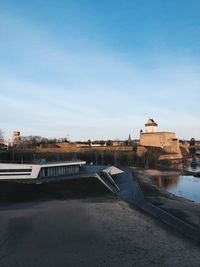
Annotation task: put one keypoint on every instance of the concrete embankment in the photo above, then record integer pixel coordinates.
(131, 192)
(12, 192)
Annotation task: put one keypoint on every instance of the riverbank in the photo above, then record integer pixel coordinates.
(182, 208)
(91, 231)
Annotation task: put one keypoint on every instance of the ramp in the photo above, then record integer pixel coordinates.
(105, 176)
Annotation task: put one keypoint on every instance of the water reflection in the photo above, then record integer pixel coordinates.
(184, 186)
(193, 166)
(166, 182)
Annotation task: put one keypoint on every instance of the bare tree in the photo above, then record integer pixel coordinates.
(192, 146)
(1, 136)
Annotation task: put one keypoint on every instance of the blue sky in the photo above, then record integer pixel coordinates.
(99, 69)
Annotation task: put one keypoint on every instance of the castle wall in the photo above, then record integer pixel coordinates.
(151, 129)
(157, 139)
(165, 140)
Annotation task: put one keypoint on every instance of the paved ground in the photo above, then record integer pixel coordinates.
(101, 231)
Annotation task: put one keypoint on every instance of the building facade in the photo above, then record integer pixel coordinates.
(16, 137)
(41, 170)
(151, 126)
(167, 141)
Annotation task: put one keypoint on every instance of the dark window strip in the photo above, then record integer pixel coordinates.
(15, 170)
(14, 174)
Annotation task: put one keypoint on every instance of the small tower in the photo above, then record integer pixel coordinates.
(16, 137)
(130, 140)
(151, 126)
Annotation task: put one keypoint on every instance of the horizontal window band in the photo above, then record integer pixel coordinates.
(15, 170)
(14, 174)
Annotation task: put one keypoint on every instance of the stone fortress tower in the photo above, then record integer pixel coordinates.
(16, 137)
(167, 141)
(151, 126)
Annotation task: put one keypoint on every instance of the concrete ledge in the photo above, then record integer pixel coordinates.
(130, 191)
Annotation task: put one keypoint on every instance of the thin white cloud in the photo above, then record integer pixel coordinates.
(51, 90)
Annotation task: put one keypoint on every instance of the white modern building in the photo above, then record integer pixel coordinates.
(42, 170)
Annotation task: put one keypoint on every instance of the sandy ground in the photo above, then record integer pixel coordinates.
(101, 231)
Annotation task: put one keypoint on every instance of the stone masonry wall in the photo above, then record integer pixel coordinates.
(159, 139)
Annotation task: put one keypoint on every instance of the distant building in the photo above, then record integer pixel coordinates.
(16, 137)
(167, 141)
(117, 143)
(3, 146)
(97, 144)
(129, 141)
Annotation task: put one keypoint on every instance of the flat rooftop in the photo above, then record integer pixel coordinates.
(45, 162)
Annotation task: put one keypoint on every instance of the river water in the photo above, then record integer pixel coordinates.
(187, 187)
(181, 185)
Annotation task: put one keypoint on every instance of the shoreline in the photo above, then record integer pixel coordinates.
(180, 207)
